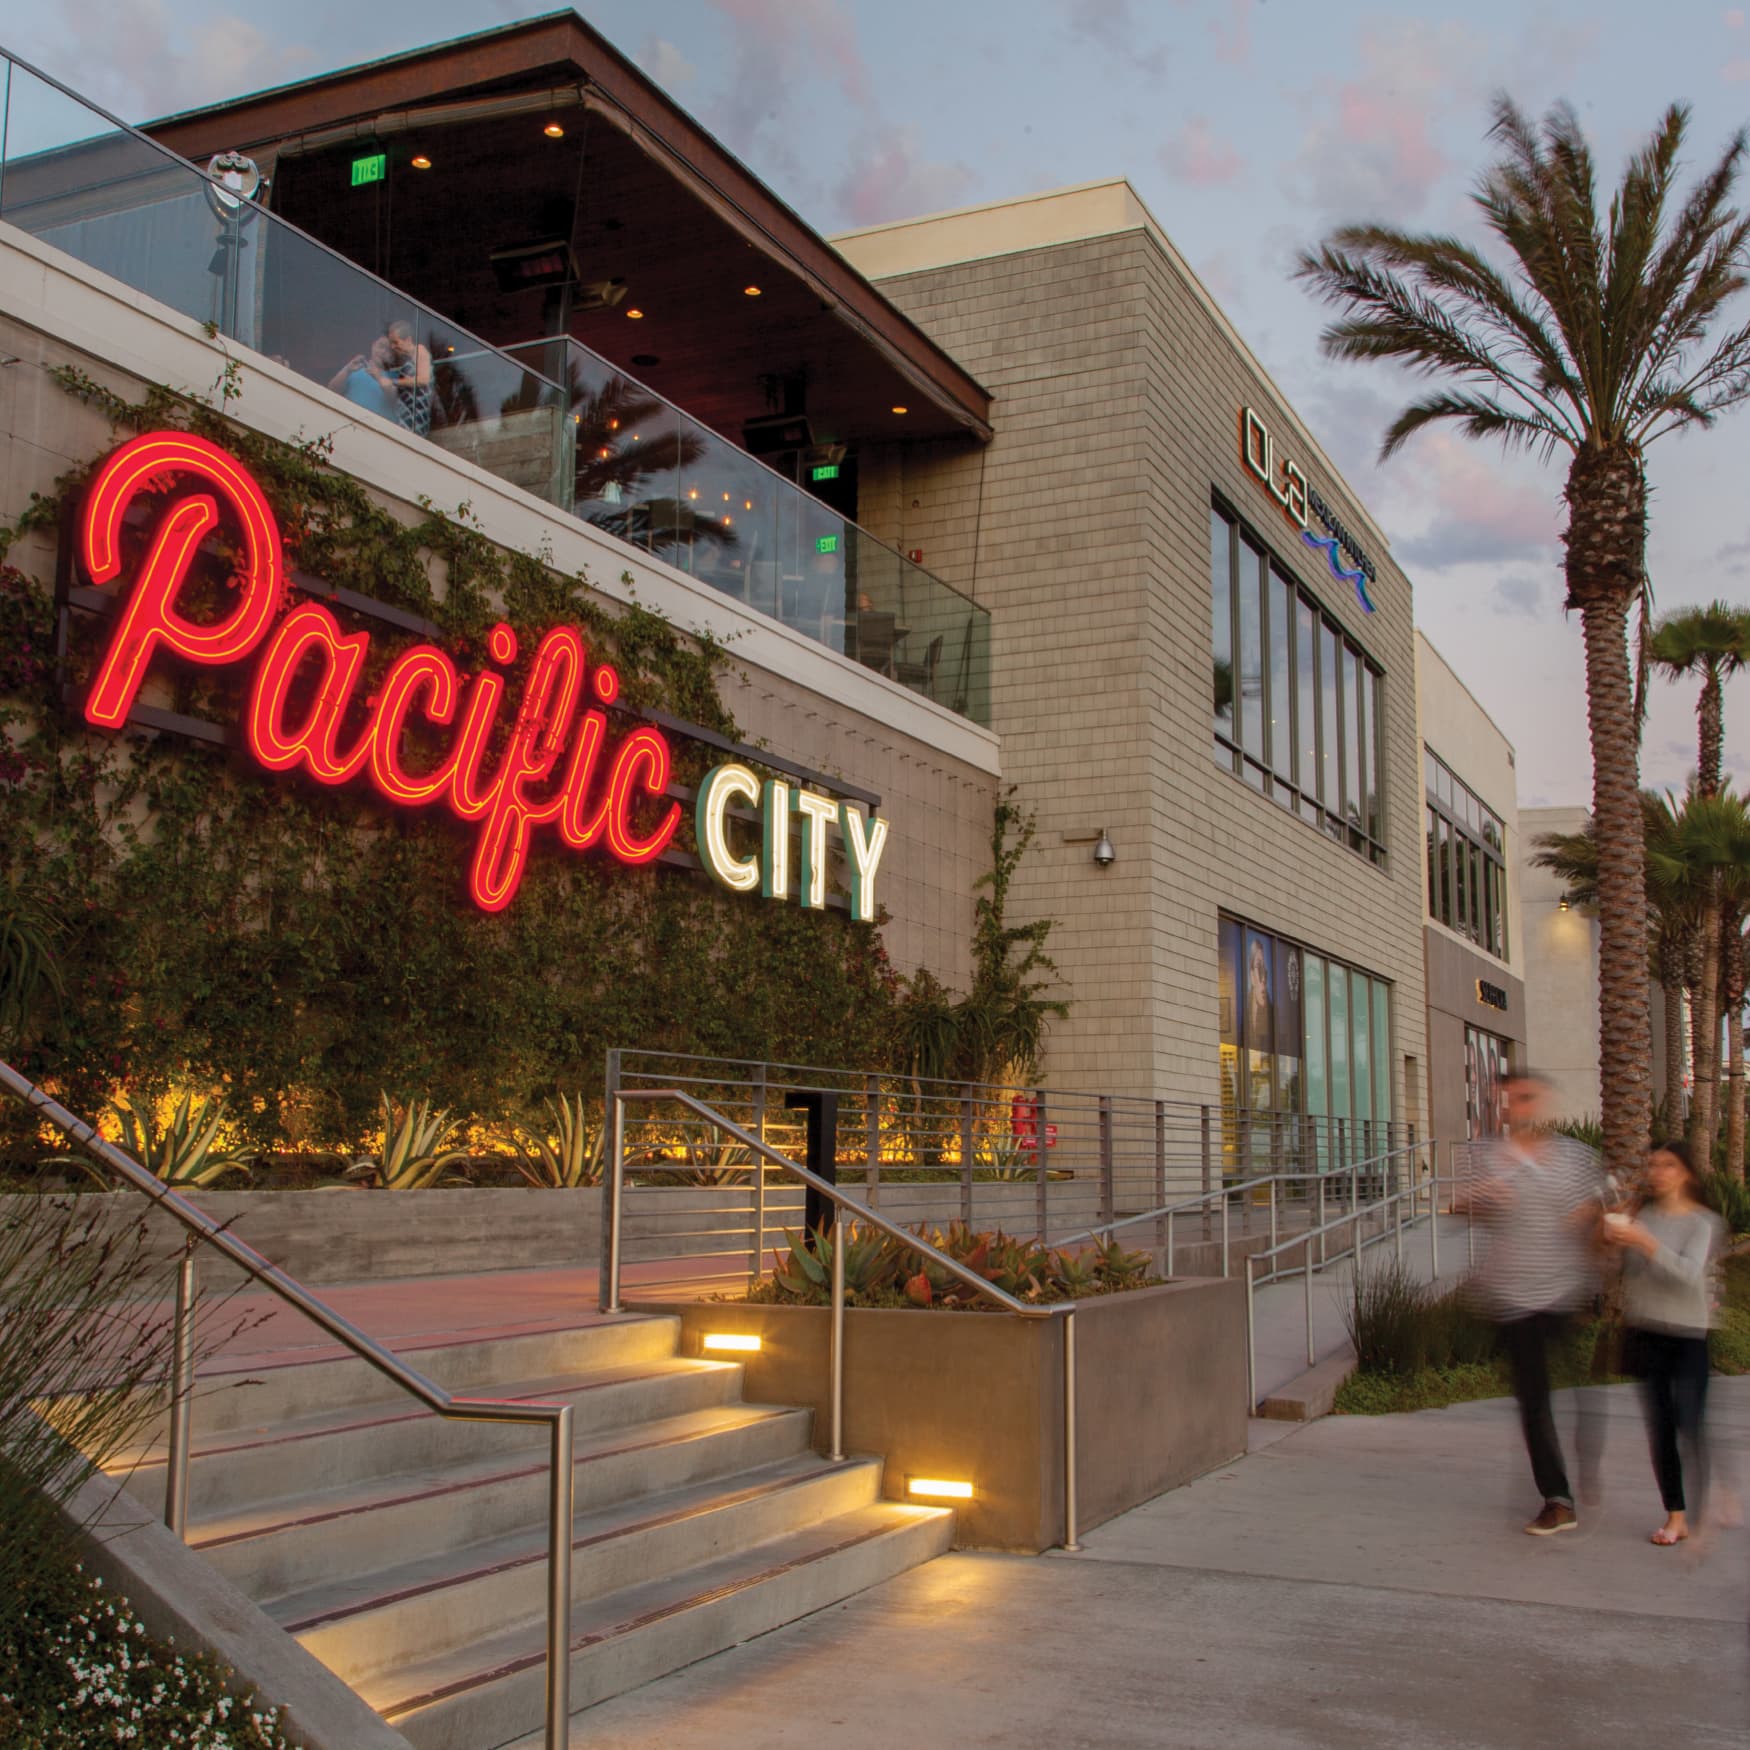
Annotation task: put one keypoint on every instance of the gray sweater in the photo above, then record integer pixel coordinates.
(1673, 1290)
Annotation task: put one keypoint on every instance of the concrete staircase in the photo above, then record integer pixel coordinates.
(408, 1552)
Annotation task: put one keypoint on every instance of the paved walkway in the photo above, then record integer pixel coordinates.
(1355, 1581)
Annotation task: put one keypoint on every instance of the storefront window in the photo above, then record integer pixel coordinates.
(1487, 1062)
(1295, 703)
(1465, 833)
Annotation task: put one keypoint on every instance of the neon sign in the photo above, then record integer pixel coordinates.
(1285, 481)
(553, 770)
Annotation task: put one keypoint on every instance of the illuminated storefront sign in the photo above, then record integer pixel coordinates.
(1491, 994)
(305, 711)
(1302, 504)
(769, 869)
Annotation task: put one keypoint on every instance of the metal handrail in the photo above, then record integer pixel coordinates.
(613, 1190)
(1390, 1200)
(556, 1417)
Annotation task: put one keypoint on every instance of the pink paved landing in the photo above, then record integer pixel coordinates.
(423, 1312)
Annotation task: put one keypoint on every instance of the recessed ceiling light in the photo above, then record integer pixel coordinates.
(421, 162)
(902, 410)
(634, 315)
(750, 291)
(553, 131)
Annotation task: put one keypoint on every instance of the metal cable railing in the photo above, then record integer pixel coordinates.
(556, 1418)
(763, 1155)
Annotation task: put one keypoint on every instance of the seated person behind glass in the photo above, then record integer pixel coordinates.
(365, 379)
(409, 375)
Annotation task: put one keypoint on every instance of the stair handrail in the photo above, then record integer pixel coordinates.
(557, 1418)
(613, 1190)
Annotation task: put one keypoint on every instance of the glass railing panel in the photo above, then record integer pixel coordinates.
(728, 502)
(114, 202)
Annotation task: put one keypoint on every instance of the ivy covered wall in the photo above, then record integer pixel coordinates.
(300, 947)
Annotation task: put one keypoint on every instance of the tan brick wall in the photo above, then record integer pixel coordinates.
(1116, 400)
(939, 806)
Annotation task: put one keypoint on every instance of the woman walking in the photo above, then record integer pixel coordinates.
(1667, 1284)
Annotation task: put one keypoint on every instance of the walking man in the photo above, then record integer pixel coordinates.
(1540, 1196)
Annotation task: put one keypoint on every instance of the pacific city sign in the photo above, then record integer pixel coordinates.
(1286, 482)
(553, 769)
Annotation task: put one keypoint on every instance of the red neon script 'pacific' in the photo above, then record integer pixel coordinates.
(308, 658)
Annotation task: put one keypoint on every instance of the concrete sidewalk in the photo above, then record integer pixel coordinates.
(1352, 1581)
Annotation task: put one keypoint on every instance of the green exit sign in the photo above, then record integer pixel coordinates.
(826, 471)
(371, 169)
(826, 543)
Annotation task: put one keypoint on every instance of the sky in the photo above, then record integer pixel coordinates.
(1249, 127)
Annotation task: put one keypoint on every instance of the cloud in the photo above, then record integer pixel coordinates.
(1735, 557)
(1734, 17)
(1519, 596)
(1112, 25)
(666, 64)
(1736, 71)
(1370, 146)
(1478, 514)
(779, 43)
(891, 178)
(1233, 39)
(1198, 155)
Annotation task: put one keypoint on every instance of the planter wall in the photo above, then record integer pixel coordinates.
(979, 1396)
(363, 1236)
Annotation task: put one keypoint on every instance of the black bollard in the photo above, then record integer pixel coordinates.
(823, 1150)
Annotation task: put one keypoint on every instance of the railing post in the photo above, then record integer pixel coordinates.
(759, 1175)
(609, 1297)
(1160, 1166)
(1272, 1212)
(559, 1517)
(1208, 1158)
(838, 1336)
(1322, 1234)
(1243, 1124)
(1251, 1338)
(181, 1395)
(1070, 1525)
(1224, 1271)
(1169, 1259)
(1041, 1162)
(872, 1146)
(1107, 1198)
(1434, 1211)
(1307, 1275)
(966, 1132)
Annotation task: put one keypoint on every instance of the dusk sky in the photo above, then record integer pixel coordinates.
(1248, 126)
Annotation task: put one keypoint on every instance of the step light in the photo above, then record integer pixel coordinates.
(738, 1342)
(938, 1489)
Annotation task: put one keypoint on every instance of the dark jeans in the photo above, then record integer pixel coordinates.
(1673, 1375)
(1527, 1342)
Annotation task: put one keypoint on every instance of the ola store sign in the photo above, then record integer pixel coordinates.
(508, 769)
(770, 869)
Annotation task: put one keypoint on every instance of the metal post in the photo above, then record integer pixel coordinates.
(1169, 1242)
(1108, 1211)
(1272, 1213)
(609, 1298)
(1224, 1238)
(1161, 1167)
(1208, 1158)
(966, 1155)
(1042, 1197)
(559, 1516)
(1307, 1276)
(1069, 1431)
(838, 1337)
(1434, 1212)
(181, 1396)
(759, 1172)
(1321, 1222)
(1245, 1166)
(1397, 1238)
(872, 1124)
(1251, 1344)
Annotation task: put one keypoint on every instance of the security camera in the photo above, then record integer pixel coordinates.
(1104, 855)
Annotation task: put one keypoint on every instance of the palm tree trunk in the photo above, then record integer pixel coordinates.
(1711, 733)
(1733, 970)
(1625, 1034)
(1704, 1114)
(1676, 1057)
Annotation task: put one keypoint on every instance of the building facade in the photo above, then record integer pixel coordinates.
(1477, 1013)
(1201, 647)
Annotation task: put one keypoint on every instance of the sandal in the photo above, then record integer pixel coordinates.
(1665, 1538)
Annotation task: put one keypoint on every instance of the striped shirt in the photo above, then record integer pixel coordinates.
(1539, 1255)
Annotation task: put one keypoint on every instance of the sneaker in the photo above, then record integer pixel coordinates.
(1556, 1516)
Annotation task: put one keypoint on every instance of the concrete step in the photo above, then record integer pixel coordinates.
(426, 1610)
(264, 1392)
(347, 1536)
(230, 1470)
(492, 1693)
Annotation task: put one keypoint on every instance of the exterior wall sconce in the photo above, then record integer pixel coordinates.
(1564, 905)
(1104, 855)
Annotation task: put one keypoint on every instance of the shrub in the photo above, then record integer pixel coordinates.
(1398, 1327)
(1730, 1198)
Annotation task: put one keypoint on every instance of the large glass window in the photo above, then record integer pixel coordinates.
(1486, 1066)
(1467, 873)
(1296, 704)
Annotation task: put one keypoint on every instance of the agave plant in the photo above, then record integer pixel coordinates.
(413, 1156)
(180, 1155)
(712, 1165)
(1075, 1274)
(1116, 1268)
(872, 1261)
(575, 1158)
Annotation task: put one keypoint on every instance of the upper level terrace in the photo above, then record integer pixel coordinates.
(556, 414)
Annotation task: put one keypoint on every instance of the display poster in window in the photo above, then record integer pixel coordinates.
(1260, 993)
(1289, 1026)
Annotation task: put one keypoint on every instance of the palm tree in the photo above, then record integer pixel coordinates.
(1594, 341)
(1713, 642)
(1734, 963)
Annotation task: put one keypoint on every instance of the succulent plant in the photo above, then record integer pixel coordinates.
(413, 1156)
(181, 1155)
(574, 1157)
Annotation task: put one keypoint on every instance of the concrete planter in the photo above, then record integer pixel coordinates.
(979, 1396)
(351, 1235)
